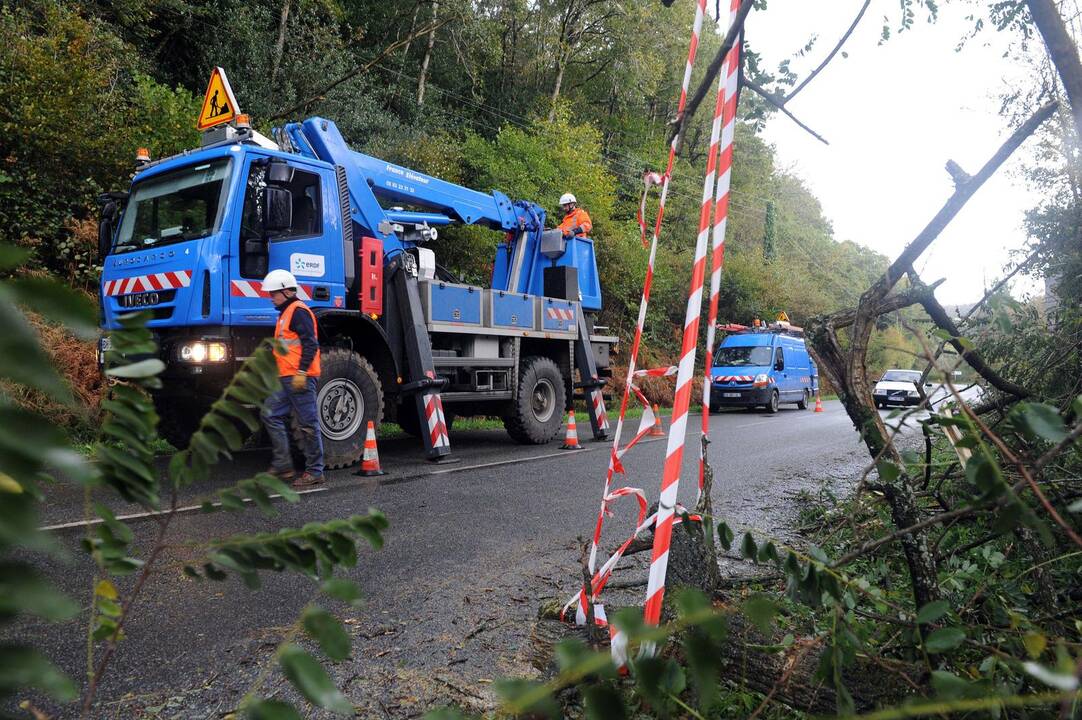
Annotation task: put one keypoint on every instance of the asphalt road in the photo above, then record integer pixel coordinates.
(471, 550)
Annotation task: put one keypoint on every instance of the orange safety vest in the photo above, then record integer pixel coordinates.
(290, 363)
(577, 218)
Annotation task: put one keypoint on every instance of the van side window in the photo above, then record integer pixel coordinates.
(779, 359)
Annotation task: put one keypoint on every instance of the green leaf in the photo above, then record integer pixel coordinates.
(513, 689)
(1040, 420)
(23, 590)
(276, 485)
(725, 535)
(761, 611)
(888, 471)
(225, 428)
(343, 590)
(58, 303)
(932, 611)
(22, 667)
(944, 639)
(325, 629)
(138, 370)
(748, 548)
(22, 359)
(603, 702)
(270, 710)
(1035, 643)
(12, 256)
(230, 501)
(312, 681)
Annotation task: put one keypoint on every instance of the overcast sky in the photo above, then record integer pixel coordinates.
(894, 114)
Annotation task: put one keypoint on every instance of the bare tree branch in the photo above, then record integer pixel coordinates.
(358, 70)
(816, 71)
(780, 105)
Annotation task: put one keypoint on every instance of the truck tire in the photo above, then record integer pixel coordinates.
(802, 403)
(536, 415)
(348, 395)
(772, 406)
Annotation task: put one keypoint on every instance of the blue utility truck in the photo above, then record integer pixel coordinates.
(401, 337)
(763, 366)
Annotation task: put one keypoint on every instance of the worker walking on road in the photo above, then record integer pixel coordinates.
(576, 222)
(298, 370)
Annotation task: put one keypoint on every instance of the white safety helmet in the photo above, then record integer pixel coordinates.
(279, 280)
(567, 198)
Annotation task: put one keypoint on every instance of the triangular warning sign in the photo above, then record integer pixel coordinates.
(219, 105)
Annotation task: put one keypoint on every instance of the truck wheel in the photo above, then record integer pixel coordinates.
(348, 395)
(537, 413)
(802, 403)
(772, 406)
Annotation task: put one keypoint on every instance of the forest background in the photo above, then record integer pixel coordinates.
(533, 99)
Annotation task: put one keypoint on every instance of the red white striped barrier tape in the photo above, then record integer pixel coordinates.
(148, 283)
(649, 179)
(614, 456)
(657, 372)
(728, 80)
(674, 452)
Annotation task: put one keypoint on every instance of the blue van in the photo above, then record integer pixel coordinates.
(763, 366)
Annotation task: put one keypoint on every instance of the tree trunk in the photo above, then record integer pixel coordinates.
(428, 55)
(1063, 53)
(279, 46)
(561, 64)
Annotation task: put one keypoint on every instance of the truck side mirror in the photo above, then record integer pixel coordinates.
(110, 211)
(279, 173)
(277, 209)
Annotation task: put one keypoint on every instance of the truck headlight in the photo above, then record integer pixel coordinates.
(761, 380)
(199, 351)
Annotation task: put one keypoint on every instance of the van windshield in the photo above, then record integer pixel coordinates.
(748, 355)
(181, 205)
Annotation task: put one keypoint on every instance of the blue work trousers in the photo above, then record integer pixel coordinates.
(276, 411)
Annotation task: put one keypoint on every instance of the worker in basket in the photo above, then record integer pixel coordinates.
(576, 222)
(298, 369)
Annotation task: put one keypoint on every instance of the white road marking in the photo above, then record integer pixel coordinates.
(446, 471)
(156, 513)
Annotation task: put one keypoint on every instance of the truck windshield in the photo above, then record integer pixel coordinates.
(912, 376)
(747, 355)
(181, 205)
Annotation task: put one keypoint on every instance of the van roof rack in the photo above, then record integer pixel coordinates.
(780, 327)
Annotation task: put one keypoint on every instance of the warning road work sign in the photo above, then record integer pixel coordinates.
(219, 105)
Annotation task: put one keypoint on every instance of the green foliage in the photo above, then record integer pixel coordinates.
(124, 464)
(77, 103)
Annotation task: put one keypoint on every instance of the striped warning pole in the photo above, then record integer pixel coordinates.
(727, 86)
(700, 11)
(685, 375)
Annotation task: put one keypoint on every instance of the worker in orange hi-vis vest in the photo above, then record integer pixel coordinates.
(298, 370)
(576, 222)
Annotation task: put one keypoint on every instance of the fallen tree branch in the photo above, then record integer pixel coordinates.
(712, 70)
(780, 105)
(830, 56)
(957, 201)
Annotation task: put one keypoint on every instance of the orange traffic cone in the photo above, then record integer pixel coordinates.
(370, 459)
(656, 431)
(818, 402)
(571, 439)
